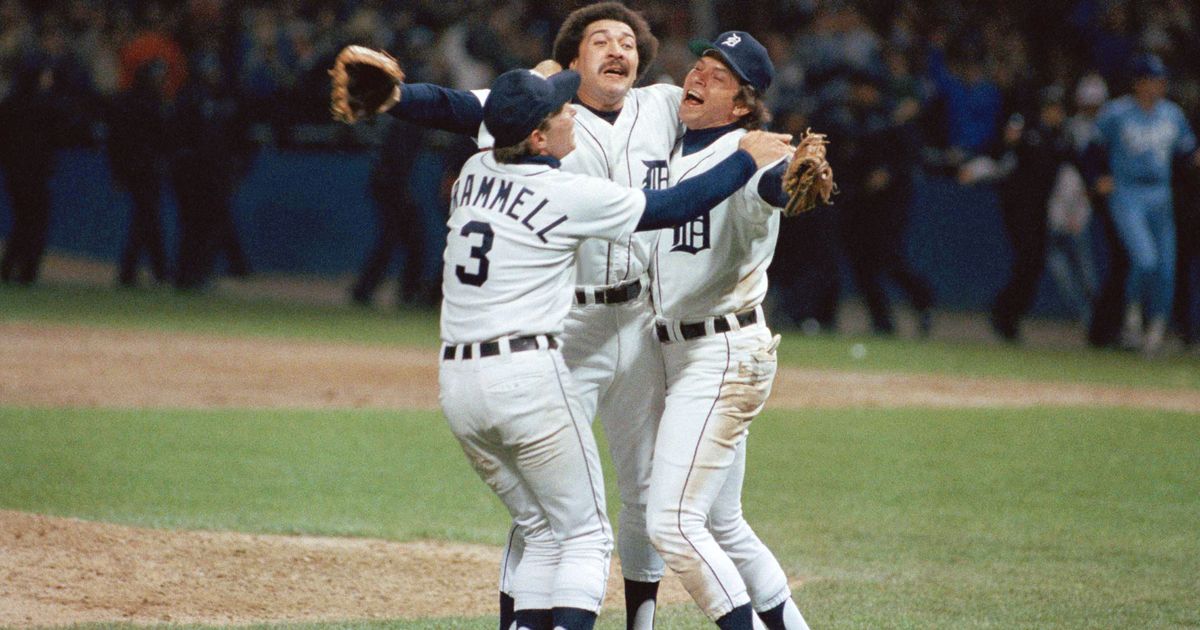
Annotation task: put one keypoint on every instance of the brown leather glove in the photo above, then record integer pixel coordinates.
(364, 82)
(808, 177)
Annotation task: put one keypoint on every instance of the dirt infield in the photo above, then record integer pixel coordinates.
(66, 366)
(57, 571)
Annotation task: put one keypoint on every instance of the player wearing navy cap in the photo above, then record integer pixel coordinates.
(517, 220)
(624, 134)
(709, 284)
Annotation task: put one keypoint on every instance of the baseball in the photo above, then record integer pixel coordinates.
(858, 351)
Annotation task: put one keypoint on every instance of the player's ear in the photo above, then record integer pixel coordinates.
(740, 110)
(537, 141)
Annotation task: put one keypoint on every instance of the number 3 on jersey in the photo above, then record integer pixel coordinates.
(478, 252)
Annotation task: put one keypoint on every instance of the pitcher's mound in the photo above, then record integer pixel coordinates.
(60, 571)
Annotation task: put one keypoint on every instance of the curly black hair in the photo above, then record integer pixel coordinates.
(570, 34)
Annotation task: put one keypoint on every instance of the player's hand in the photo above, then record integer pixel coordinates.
(766, 147)
(1104, 186)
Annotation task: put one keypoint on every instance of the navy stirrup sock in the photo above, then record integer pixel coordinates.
(773, 619)
(574, 619)
(636, 594)
(740, 618)
(506, 611)
(534, 619)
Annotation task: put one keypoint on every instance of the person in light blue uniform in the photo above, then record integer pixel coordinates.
(1143, 134)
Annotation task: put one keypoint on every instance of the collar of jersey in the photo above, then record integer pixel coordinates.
(546, 160)
(697, 139)
(608, 117)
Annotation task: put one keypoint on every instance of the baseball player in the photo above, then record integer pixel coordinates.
(1143, 133)
(623, 134)
(709, 284)
(516, 223)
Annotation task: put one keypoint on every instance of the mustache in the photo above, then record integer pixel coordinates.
(615, 65)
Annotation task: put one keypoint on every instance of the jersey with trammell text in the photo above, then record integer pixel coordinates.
(510, 251)
(717, 263)
(632, 151)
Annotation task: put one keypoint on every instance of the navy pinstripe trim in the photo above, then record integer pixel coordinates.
(657, 275)
(629, 174)
(608, 266)
(599, 145)
(607, 166)
(628, 166)
(689, 171)
(591, 482)
(692, 466)
(512, 533)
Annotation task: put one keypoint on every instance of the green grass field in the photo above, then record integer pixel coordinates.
(896, 518)
(164, 309)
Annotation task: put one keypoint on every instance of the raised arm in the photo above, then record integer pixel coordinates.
(437, 107)
(456, 111)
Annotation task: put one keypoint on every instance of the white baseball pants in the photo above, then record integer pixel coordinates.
(521, 426)
(616, 363)
(716, 385)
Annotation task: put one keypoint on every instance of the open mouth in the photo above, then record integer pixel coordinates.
(615, 70)
(691, 97)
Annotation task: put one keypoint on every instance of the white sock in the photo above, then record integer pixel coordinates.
(792, 619)
(644, 618)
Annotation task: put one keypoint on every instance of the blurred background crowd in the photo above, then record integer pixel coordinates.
(181, 95)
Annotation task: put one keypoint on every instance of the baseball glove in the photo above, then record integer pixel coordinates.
(808, 177)
(364, 82)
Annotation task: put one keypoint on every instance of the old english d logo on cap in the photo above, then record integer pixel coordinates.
(744, 55)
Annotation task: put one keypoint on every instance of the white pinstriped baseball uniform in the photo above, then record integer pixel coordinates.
(504, 387)
(709, 277)
(610, 348)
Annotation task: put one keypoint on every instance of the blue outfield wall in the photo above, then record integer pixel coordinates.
(309, 213)
(298, 212)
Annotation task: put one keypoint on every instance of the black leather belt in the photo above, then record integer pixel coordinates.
(611, 295)
(693, 330)
(492, 348)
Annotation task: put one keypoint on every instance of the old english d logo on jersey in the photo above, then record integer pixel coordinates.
(692, 237)
(656, 175)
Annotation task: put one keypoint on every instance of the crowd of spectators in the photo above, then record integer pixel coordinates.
(943, 77)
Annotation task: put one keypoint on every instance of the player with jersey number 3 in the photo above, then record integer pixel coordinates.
(624, 134)
(516, 222)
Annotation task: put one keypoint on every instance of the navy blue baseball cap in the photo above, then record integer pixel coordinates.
(520, 100)
(1147, 65)
(744, 55)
